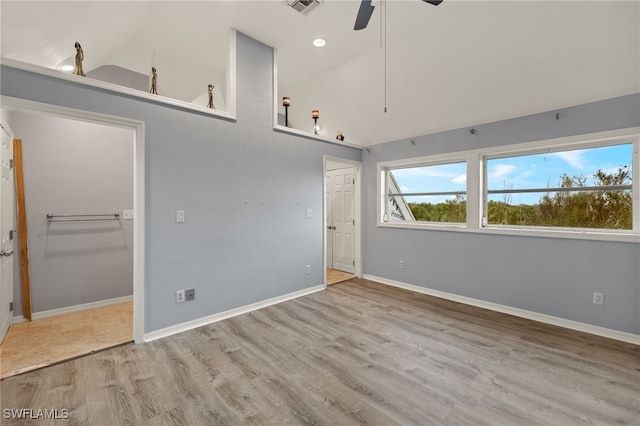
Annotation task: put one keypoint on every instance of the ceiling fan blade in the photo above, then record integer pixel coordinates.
(364, 14)
(433, 2)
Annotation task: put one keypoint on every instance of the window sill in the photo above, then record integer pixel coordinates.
(521, 232)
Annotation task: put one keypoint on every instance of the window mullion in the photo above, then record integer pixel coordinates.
(474, 212)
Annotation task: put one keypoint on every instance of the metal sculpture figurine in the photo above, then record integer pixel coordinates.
(79, 58)
(154, 81)
(210, 104)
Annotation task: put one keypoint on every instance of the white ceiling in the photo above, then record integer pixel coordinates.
(459, 64)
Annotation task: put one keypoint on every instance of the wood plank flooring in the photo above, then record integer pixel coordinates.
(38, 343)
(334, 276)
(357, 353)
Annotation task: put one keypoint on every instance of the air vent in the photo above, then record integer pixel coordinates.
(304, 6)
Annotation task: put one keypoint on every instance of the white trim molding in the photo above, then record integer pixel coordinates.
(210, 319)
(357, 211)
(137, 127)
(522, 313)
(74, 308)
(476, 193)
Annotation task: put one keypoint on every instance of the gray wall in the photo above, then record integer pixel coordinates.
(73, 167)
(243, 186)
(545, 275)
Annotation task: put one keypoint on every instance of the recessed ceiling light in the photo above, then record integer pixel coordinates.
(67, 65)
(319, 42)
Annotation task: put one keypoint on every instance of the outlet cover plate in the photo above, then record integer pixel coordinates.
(190, 294)
(598, 298)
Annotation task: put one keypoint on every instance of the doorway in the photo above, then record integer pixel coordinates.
(342, 220)
(6, 229)
(136, 214)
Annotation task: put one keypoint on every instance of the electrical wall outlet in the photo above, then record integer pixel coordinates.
(402, 264)
(598, 298)
(308, 269)
(180, 216)
(190, 294)
(180, 296)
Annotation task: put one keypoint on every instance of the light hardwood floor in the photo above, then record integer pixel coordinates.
(357, 353)
(38, 343)
(334, 276)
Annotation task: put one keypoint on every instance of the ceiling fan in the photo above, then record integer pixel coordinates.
(366, 10)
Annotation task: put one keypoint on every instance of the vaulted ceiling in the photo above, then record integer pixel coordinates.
(459, 64)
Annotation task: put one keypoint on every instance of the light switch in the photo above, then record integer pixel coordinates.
(179, 216)
(309, 213)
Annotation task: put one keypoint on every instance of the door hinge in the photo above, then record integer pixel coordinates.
(354, 222)
(12, 233)
(354, 263)
(354, 181)
(10, 306)
(11, 163)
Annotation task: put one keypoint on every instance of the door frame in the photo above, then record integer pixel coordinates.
(357, 212)
(139, 161)
(6, 297)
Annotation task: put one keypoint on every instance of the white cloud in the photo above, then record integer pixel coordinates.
(404, 188)
(524, 175)
(501, 171)
(462, 179)
(573, 158)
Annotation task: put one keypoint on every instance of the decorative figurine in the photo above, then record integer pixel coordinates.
(154, 81)
(210, 104)
(79, 58)
(286, 103)
(339, 136)
(315, 114)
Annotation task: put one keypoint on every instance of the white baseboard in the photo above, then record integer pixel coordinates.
(535, 316)
(74, 308)
(190, 325)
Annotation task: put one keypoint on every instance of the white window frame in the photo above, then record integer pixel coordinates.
(476, 187)
(436, 160)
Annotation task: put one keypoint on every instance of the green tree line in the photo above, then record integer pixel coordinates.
(608, 209)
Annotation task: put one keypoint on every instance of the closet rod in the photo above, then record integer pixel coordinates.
(86, 217)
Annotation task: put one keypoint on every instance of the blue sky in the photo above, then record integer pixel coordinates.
(532, 171)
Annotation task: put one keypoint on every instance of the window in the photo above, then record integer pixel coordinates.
(582, 187)
(577, 188)
(426, 193)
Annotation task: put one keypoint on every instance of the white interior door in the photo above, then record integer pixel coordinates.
(7, 202)
(329, 218)
(343, 220)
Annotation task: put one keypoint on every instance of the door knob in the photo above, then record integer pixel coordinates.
(6, 253)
